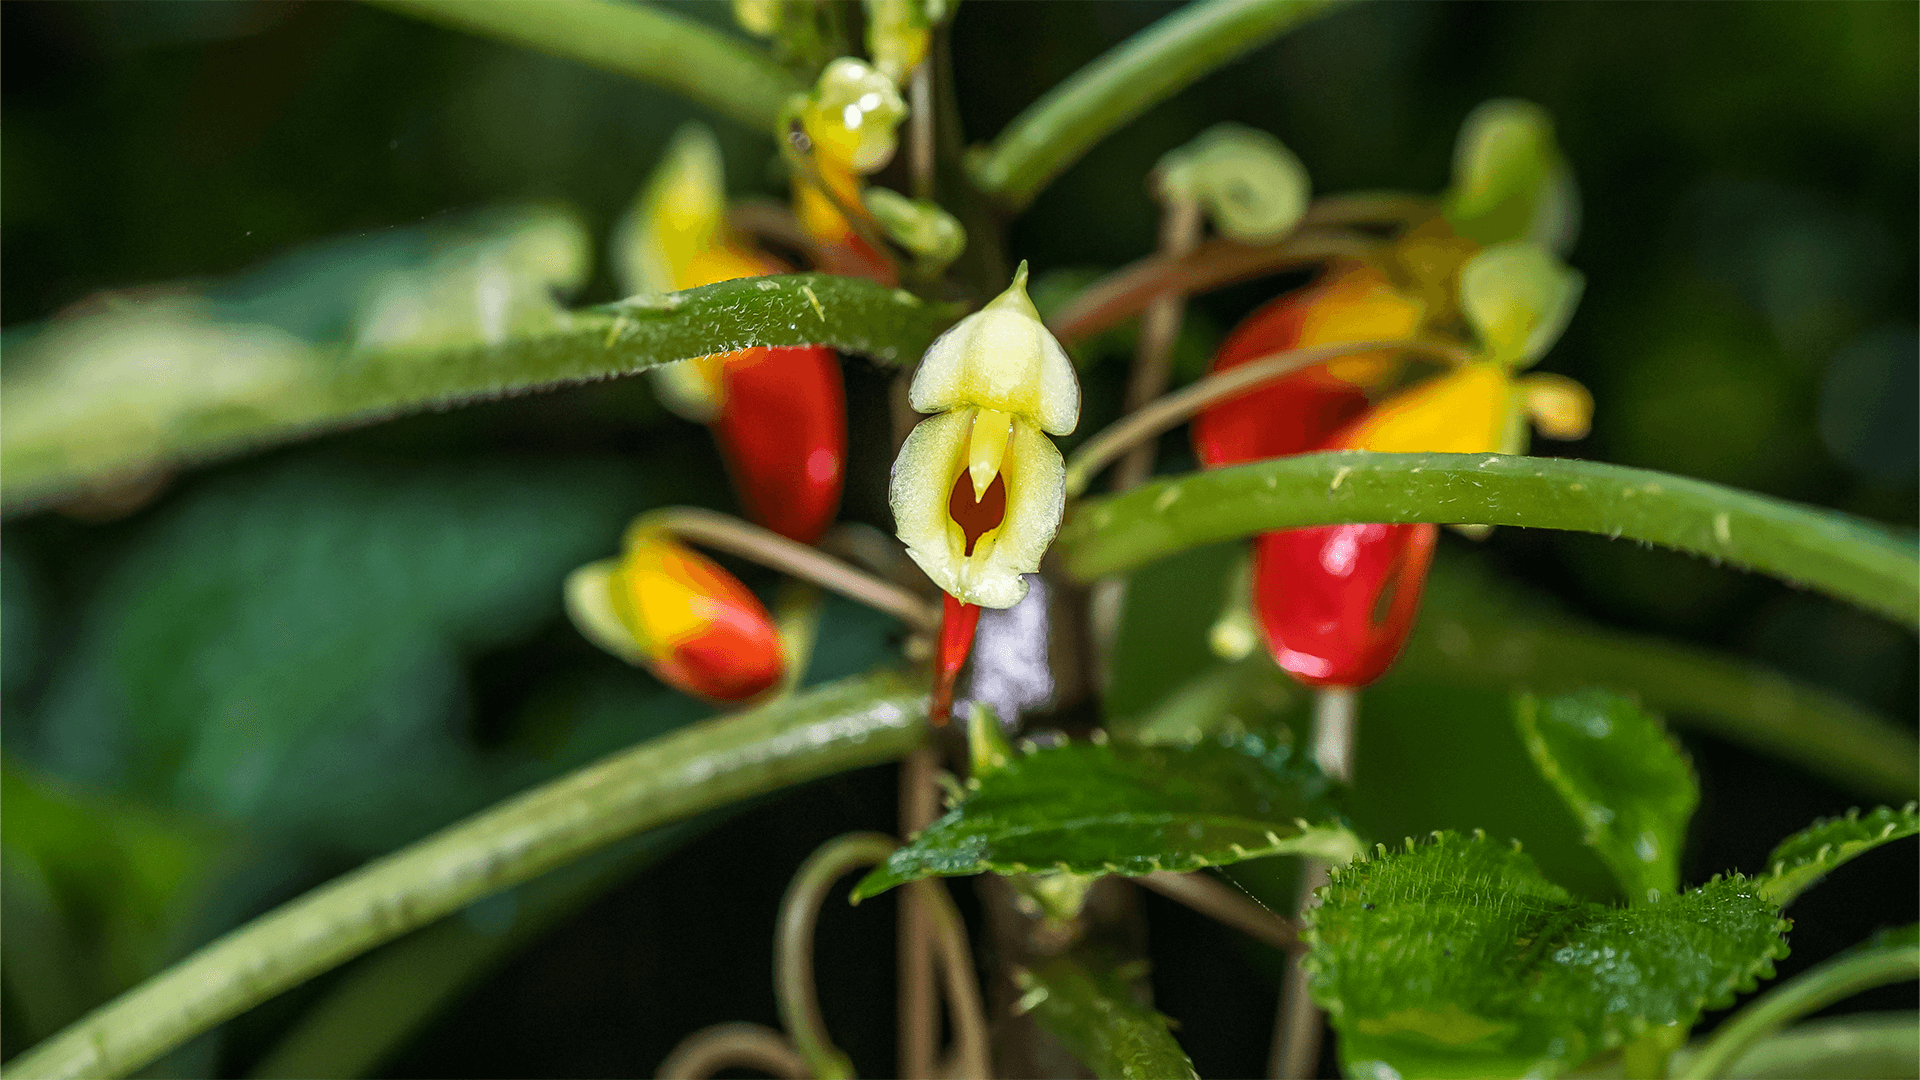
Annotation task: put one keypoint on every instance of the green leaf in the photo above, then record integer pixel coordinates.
(1456, 958)
(69, 419)
(1097, 1018)
(1835, 553)
(285, 648)
(1118, 809)
(1801, 860)
(1631, 787)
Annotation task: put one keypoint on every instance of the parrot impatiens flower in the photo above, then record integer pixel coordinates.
(1336, 602)
(779, 414)
(978, 488)
(666, 607)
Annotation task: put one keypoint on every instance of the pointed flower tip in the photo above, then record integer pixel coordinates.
(1003, 359)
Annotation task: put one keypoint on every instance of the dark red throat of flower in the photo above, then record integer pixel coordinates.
(957, 623)
(977, 519)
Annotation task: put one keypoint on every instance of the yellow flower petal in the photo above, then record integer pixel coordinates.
(933, 461)
(1003, 358)
(1469, 410)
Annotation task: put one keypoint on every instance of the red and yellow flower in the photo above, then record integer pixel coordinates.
(779, 414)
(669, 609)
(1337, 602)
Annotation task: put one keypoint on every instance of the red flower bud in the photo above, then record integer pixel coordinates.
(672, 610)
(1337, 601)
(958, 621)
(782, 425)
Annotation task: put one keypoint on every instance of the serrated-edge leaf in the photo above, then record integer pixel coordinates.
(1570, 981)
(1626, 781)
(1801, 860)
(1115, 1037)
(1093, 809)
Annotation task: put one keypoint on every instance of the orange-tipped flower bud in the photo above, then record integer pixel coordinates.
(669, 609)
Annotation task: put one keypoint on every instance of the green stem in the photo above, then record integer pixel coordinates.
(1823, 550)
(1856, 1046)
(1835, 980)
(649, 44)
(849, 314)
(1129, 79)
(841, 726)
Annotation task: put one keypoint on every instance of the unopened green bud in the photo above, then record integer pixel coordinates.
(934, 236)
(1518, 298)
(1510, 181)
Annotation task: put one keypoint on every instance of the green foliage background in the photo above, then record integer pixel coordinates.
(285, 664)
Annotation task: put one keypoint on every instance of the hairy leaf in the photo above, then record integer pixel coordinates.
(1119, 809)
(1801, 860)
(1626, 781)
(1457, 958)
(1097, 1018)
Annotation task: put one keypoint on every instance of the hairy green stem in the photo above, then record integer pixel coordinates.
(849, 314)
(1837, 979)
(645, 42)
(837, 727)
(1129, 79)
(1824, 550)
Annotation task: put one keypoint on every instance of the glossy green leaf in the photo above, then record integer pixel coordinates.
(1628, 783)
(1835, 553)
(1120, 809)
(1801, 860)
(1455, 958)
(430, 338)
(1097, 1018)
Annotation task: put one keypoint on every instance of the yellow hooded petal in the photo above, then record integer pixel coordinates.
(1003, 358)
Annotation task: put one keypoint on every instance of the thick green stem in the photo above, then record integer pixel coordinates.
(849, 314)
(1850, 1047)
(724, 74)
(1819, 549)
(1837, 979)
(842, 726)
(1131, 78)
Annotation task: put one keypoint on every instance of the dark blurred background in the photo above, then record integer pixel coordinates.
(285, 664)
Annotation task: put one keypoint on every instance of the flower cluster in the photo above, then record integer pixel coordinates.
(1336, 602)
(978, 488)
